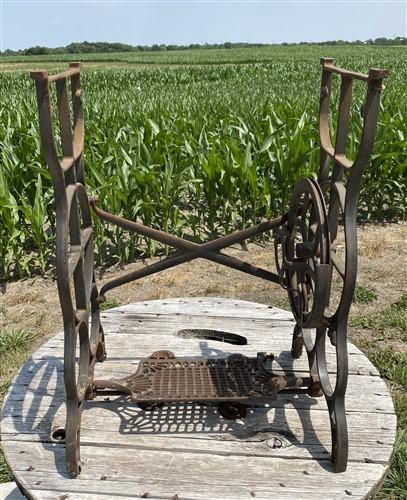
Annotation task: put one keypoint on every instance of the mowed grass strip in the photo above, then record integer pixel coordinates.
(14, 350)
(390, 322)
(382, 326)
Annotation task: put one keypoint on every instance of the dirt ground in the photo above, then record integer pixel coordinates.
(32, 304)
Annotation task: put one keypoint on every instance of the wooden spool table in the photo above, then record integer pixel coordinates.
(188, 451)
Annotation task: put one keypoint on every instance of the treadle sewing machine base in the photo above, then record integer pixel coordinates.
(231, 382)
(307, 260)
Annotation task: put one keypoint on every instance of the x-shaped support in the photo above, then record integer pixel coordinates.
(190, 250)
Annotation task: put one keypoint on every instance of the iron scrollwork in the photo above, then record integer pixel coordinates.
(306, 262)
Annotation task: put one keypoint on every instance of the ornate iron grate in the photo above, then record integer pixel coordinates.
(236, 378)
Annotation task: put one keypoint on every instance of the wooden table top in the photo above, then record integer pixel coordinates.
(186, 451)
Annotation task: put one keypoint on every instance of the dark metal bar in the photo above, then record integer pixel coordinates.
(175, 241)
(78, 123)
(64, 118)
(177, 259)
(74, 70)
(374, 73)
(345, 101)
(195, 250)
(154, 268)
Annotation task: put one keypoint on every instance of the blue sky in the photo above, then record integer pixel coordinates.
(59, 22)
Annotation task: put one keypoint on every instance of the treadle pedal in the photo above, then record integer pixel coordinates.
(165, 378)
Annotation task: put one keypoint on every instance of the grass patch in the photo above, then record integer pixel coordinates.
(14, 349)
(392, 366)
(391, 322)
(5, 474)
(395, 485)
(400, 404)
(392, 319)
(13, 341)
(364, 295)
(109, 304)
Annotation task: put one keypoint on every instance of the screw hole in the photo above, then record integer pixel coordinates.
(58, 435)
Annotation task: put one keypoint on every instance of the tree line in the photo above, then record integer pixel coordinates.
(97, 47)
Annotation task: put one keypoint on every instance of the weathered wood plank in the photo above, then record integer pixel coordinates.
(188, 419)
(189, 450)
(144, 342)
(166, 473)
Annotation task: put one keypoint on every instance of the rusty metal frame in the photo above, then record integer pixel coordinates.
(304, 240)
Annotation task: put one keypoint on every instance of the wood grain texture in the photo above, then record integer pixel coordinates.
(186, 451)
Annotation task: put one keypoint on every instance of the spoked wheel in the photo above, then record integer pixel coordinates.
(305, 263)
(303, 259)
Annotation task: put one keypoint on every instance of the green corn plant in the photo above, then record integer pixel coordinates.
(191, 145)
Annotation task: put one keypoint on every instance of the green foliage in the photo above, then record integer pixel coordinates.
(393, 366)
(109, 304)
(395, 485)
(5, 474)
(198, 149)
(364, 295)
(391, 320)
(13, 341)
(14, 347)
(117, 49)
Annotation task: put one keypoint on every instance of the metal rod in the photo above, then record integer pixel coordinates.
(180, 243)
(177, 259)
(195, 250)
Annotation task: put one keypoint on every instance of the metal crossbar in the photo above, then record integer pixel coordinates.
(305, 239)
(191, 250)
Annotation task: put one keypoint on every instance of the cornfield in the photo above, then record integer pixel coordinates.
(195, 149)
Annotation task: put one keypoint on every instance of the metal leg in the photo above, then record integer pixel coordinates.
(297, 343)
(339, 433)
